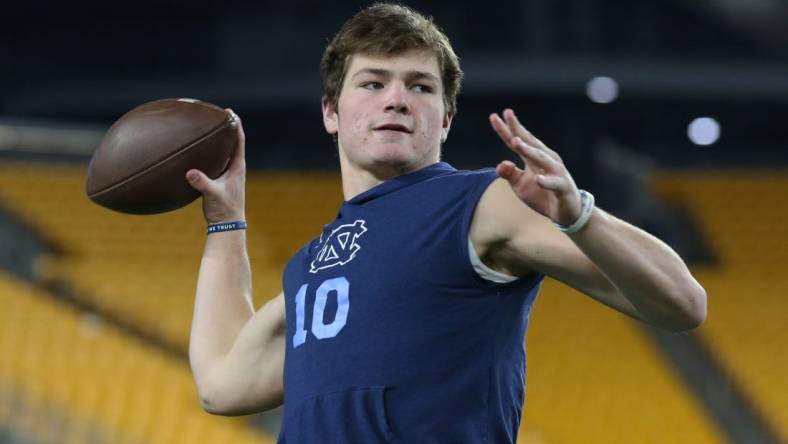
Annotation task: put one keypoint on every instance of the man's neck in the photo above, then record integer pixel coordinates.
(356, 180)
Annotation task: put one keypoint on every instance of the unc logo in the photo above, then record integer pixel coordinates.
(340, 247)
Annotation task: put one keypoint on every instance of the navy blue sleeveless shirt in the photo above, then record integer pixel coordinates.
(392, 335)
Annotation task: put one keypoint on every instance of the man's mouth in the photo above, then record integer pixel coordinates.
(393, 127)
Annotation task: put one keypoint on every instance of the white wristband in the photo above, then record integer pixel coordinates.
(586, 207)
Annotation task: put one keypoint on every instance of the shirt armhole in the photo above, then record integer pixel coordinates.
(483, 270)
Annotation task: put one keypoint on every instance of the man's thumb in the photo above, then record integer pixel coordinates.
(198, 180)
(507, 170)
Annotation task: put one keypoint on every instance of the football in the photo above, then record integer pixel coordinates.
(141, 163)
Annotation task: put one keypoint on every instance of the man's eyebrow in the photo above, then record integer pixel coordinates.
(418, 75)
(373, 71)
(410, 75)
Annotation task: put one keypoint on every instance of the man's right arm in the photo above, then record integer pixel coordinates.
(236, 355)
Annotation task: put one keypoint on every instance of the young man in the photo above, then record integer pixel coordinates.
(404, 321)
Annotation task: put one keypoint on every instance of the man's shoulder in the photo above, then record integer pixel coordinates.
(500, 217)
(464, 177)
(471, 172)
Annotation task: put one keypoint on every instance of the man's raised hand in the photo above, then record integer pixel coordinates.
(543, 183)
(223, 197)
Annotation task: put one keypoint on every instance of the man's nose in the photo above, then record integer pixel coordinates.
(397, 98)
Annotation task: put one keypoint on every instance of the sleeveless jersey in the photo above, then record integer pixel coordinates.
(392, 336)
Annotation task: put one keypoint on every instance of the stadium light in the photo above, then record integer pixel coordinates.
(703, 131)
(602, 89)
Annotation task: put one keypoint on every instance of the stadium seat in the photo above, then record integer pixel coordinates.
(65, 375)
(595, 377)
(742, 215)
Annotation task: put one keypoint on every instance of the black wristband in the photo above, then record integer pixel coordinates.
(227, 226)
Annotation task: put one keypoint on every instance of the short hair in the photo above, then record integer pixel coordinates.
(389, 29)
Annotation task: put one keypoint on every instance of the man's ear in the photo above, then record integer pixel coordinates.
(447, 118)
(330, 117)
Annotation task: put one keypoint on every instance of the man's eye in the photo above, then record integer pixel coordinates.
(372, 85)
(422, 88)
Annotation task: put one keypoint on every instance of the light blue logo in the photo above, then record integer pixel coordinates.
(340, 247)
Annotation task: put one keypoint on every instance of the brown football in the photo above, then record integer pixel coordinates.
(140, 166)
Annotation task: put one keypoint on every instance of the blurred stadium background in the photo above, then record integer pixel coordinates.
(671, 112)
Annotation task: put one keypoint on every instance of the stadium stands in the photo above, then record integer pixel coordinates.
(743, 215)
(595, 377)
(65, 377)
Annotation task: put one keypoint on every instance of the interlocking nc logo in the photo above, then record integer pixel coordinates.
(340, 247)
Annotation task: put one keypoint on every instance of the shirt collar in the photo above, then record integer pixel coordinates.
(396, 183)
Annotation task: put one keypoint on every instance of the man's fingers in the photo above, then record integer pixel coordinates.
(534, 156)
(238, 159)
(552, 183)
(530, 149)
(513, 121)
(512, 140)
(502, 129)
(518, 129)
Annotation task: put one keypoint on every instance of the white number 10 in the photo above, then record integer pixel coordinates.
(341, 287)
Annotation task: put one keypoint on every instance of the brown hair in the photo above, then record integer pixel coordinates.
(387, 29)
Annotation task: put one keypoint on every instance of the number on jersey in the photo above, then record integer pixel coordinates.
(336, 287)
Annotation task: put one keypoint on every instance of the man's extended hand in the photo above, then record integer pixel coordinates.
(543, 183)
(223, 197)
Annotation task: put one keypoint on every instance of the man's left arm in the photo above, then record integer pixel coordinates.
(612, 261)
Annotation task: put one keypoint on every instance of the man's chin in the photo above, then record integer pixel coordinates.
(392, 160)
(393, 156)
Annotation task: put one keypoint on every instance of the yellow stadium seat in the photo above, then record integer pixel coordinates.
(742, 214)
(75, 377)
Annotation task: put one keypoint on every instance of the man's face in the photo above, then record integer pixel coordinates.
(390, 117)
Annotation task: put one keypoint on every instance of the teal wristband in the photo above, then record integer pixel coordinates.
(227, 226)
